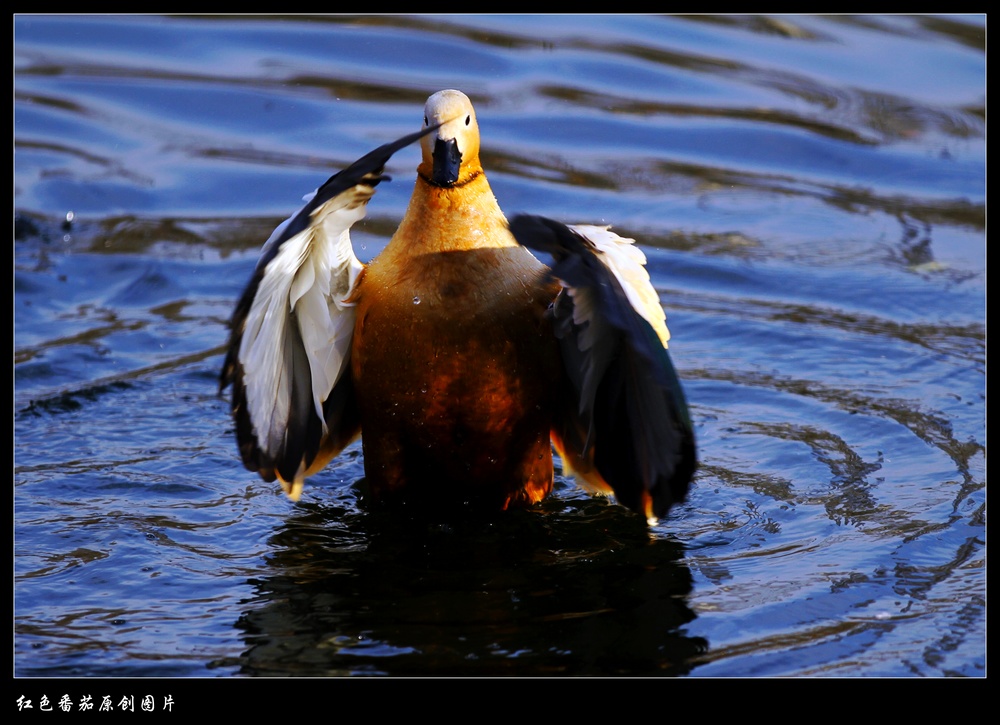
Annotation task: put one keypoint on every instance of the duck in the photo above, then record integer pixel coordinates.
(462, 360)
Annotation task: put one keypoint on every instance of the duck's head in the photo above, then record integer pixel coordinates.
(450, 154)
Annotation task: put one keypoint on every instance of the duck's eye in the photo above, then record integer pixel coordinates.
(425, 120)
(468, 119)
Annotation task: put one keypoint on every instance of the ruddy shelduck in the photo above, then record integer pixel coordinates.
(459, 358)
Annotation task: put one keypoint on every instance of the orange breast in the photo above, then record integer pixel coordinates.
(456, 371)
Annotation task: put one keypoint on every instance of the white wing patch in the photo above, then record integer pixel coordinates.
(299, 308)
(627, 262)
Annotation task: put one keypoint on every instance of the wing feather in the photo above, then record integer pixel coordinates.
(289, 350)
(626, 424)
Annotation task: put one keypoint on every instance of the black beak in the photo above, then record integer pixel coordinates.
(447, 160)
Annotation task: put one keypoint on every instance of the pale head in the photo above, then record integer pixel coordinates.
(450, 154)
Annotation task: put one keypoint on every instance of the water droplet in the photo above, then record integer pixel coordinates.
(416, 300)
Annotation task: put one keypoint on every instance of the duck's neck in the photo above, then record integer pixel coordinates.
(444, 219)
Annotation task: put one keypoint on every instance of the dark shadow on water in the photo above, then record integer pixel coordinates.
(566, 589)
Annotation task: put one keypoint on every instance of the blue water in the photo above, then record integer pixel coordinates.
(810, 194)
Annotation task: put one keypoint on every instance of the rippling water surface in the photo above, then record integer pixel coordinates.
(810, 194)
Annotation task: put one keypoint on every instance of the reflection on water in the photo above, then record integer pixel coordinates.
(810, 194)
(557, 594)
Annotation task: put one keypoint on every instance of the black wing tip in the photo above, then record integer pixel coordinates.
(368, 169)
(673, 489)
(636, 463)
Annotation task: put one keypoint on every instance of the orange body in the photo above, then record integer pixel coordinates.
(454, 362)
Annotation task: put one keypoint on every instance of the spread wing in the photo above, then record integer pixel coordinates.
(290, 342)
(625, 427)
